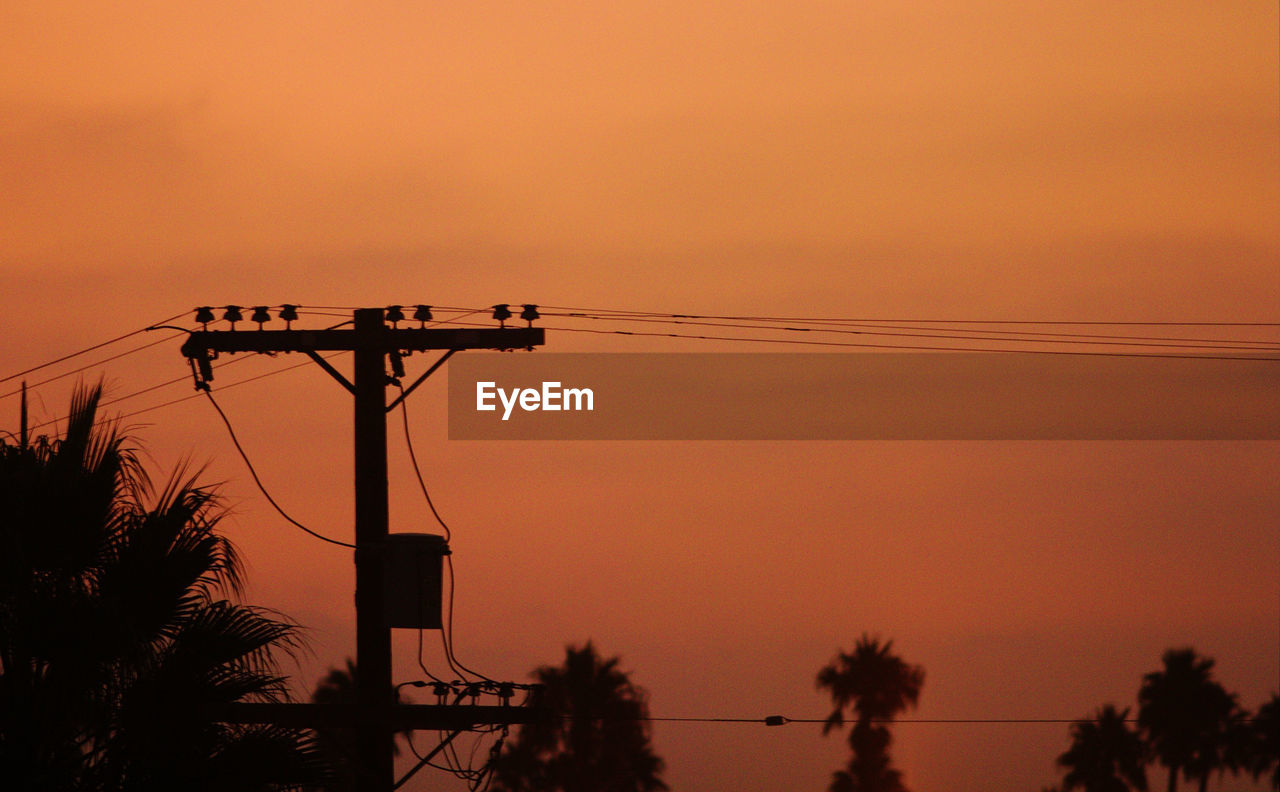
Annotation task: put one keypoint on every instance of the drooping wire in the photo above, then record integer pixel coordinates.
(254, 473)
(408, 441)
(413, 457)
(88, 349)
(446, 634)
(422, 664)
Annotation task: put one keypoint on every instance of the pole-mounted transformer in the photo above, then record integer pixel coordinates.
(414, 580)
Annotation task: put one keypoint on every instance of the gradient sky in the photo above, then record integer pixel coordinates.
(994, 160)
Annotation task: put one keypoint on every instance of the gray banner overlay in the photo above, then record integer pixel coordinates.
(898, 396)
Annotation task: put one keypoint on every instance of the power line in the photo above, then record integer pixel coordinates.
(914, 331)
(862, 345)
(1051, 322)
(164, 384)
(88, 349)
(691, 319)
(88, 366)
(408, 441)
(254, 473)
(778, 720)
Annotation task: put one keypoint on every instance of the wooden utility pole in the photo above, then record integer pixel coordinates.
(376, 716)
(373, 638)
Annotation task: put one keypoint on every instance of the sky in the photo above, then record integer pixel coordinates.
(1090, 161)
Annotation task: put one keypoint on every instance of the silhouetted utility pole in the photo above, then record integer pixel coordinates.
(373, 344)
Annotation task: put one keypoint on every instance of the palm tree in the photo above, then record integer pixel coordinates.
(878, 686)
(116, 637)
(1184, 715)
(1105, 755)
(1264, 746)
(597, 739)
(338, 744)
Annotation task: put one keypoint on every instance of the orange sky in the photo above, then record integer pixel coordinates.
(993, 160)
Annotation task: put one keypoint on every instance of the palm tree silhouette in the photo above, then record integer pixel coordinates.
(1264, 745)
(1185, 716)
(1105, 754)
(877, 685)
(116, 637)
(597, 739)
(338, 744)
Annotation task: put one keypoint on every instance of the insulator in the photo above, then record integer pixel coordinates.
(397, 365)
(232, 314)
(776, 720)
(206, 369)
(204, 315)
(394, 314)
(422, 313)
(441, 690)
(289, 313)
(502, 313)
(260, 315)
(529, 313)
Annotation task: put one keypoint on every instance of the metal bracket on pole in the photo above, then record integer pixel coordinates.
(333, 372)
(421, 379)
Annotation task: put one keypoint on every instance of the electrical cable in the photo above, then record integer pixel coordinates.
(88, 366)
(91, 348)
(851, 344)
(1054, 322)
(455, 762)
(780, 720)
(450, 642)
(408, 441)
(230, 385)
(606, 314)
(423, 665)
(165, 384)
(258, 481)
(953, 334)
(446, 634)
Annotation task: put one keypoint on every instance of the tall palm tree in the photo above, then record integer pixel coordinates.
(1264, 746)
(597, 739)
(1184, 715)
(1105, 755)
(116, 634)
(877, 685)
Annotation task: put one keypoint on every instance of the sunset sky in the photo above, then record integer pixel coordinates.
(1086, 161)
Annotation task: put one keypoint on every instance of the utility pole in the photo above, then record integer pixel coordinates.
(376, 717)
(373, 639)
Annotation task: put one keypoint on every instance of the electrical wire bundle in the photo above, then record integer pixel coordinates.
(1122, 338)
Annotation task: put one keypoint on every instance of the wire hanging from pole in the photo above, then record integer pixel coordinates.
(254, 473)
